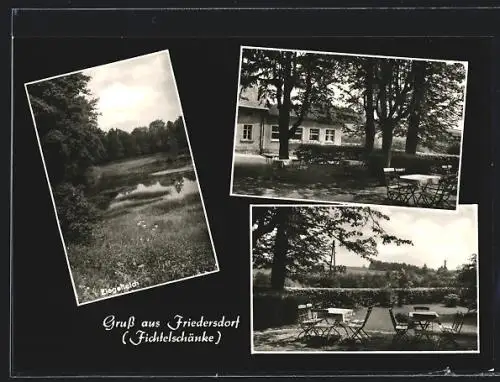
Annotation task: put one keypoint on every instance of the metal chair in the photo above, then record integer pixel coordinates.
(449, 333)
(357, 327)
(439, 195)
(397, 191)
(307, 321)
(400, 328)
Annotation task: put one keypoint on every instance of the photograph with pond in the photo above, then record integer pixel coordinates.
(364, 279)
(122, 177)
(334, 127)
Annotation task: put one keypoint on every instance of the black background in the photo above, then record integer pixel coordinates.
(50, 335)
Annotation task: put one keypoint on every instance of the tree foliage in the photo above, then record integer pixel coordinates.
(467, 278)
(295, 239)
(296, 82)
(417, 99)
(66, 121)
(157, 137)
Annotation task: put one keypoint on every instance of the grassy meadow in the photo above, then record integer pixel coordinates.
(152, 228)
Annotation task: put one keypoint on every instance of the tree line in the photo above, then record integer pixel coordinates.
(66, 118)
(157, 137)
(377, 265)
(417, 99)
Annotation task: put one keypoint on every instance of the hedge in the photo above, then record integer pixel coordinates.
(319, 154)
(375, 161)
(273, 309)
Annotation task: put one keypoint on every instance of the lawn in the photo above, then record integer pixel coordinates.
(380, 329)
(152, 229)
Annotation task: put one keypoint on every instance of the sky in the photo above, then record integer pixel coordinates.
(135, 92)
(436, 235)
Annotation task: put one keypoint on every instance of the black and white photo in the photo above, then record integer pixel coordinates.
(364, 279)
(122, 177)
(333, 127)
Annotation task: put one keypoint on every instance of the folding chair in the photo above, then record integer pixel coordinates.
(308, 320)
(397, 191)
(439, 195)
(400, 328)
(357, 327)
(449, 333)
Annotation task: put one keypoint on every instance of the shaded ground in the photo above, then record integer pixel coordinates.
(329, 183)
(380, 329)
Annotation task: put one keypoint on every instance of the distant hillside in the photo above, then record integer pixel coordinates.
(363, 271)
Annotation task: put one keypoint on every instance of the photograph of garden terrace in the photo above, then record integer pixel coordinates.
(364, 279)
(122, 177)
(332, 127)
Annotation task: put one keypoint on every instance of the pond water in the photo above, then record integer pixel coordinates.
(172, 171)
(155, 190)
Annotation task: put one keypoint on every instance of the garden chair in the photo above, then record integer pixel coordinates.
(397, 190)
(308, 320)
(357, 327)
(439, 195)
(449, 333)
(400, 328)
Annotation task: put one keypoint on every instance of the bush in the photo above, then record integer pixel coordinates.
(76, 214)
(320, 154)
(453, 149)
(274, 309)
(386, 298)
(451, 300)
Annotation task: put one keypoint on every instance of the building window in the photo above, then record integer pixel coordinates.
(247, 132)
(275, 133)
(297, 136)
(314, 134)
(330, 135)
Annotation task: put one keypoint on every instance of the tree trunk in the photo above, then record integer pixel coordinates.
(278, 272)
(369, 108)
(284, 147)
(333, 264)
(369, 134)
(416, 107)
(286, 106)
(387, 135)
(412, 134)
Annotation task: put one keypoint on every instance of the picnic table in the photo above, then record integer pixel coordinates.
(423, 319)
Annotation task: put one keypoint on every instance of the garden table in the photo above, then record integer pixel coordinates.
(423, 319)
(338, 315)
(419, 181)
